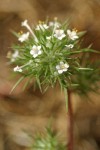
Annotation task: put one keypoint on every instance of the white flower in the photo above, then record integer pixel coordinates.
(45, 26)
(57, 24)
(17, 69)
(48, 37)
(59, 34)
(62, 67)
(51, 23)
(35, 51)
(42, 27)
(25, 24)
(69, 46)
(72, 34)
(23, 37)
(14, 56)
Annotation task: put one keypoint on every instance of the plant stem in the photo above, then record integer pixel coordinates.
(70, 113)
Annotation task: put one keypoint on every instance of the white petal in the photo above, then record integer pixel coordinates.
(73, 33)
(45, 26)
(61, 31)
(40, 52)
(60, 71)
(76, 37)
(20, 70)
(15, 54)
(35, 55)
(34, 47)
(60, 38)
(69, 46)
(51, 23)
(24, 23)
(57, 67)
(65, 69)
(17, 69)
(39, 47)
(61, 63)
(23, 37)
(56, 31)
(48, 37)
(68, 32)
(32, 52)
(66, 65)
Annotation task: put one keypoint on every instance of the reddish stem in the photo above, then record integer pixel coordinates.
(70, 113)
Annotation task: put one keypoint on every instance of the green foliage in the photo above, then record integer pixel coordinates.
(87, 80)
(47, 142)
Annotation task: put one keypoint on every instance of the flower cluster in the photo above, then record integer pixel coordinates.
(46, 53)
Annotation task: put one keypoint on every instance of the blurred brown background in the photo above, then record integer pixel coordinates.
(31, 111)
(83, 15)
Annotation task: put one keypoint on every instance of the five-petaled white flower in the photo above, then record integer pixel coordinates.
(14, 56)
(35, 51)
(62, 67)
(17, 69)
(42, 27)
(69, 46)
(23, 37)
(72, 34)
(59, 34)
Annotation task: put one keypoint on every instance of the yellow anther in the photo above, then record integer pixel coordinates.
(20, 33)
(75, 30)
(62, 66)
(40, 22)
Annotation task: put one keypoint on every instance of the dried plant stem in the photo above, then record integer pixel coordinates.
(70, 113)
